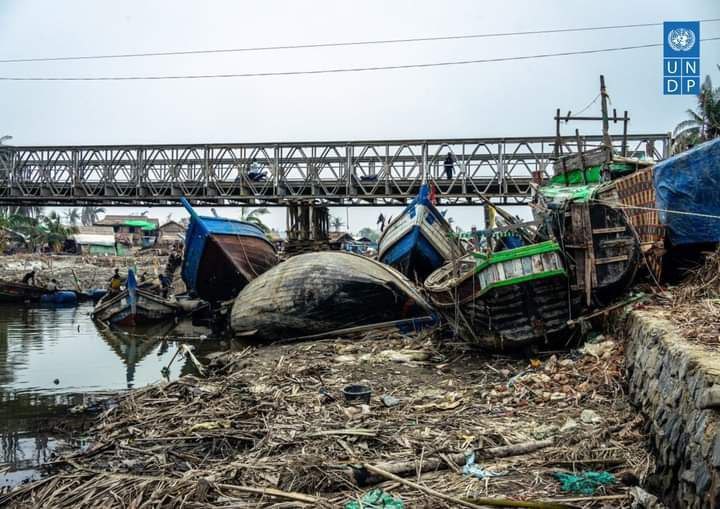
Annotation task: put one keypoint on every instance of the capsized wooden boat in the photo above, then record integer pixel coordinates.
(134, 306)
(507, 299)
(19, 293)
(316, 293)
(222, 255)
(419, 240)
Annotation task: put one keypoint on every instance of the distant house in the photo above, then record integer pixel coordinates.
(132, 230)
(171, 233)
(366, 243)
(339, 240)
(96, 240)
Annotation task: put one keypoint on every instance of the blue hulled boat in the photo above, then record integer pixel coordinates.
(419, 240)
(222, 255)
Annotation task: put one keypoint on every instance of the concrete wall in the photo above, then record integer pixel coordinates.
(676, 384)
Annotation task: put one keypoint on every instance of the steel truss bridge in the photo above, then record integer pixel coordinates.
(335, 173)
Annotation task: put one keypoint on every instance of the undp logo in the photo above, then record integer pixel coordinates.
(681, 39)
(681, 62)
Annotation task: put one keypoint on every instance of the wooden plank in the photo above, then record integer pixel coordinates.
(612, 229)
(611, 259)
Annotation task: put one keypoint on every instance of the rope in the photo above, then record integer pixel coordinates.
(588, 106)
(668, 211)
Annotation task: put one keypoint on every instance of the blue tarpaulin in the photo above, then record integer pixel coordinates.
(690, 182)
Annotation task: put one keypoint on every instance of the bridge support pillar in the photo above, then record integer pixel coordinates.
(307, 228)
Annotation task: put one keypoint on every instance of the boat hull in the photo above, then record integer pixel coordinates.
(316, 293)
(223, 255)
(418, 241)
(149, 308)
(519, 298)
(18, 293)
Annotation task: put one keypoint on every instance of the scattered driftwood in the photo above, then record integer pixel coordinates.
(477, 503)
(363, 477)
(268, 427)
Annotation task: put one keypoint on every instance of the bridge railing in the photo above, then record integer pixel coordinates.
(348, 173)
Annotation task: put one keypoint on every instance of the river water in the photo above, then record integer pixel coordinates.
(51, 359)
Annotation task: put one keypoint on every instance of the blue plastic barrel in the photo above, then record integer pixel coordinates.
(60, 297)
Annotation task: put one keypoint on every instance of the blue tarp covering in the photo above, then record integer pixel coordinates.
(690, 182)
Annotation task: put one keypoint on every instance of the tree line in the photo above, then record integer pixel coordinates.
(39, 230)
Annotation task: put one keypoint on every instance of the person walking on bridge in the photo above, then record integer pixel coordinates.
(449, 163)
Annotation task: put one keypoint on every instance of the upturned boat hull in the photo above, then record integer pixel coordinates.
(317, 293)
(418, 241)
(223, 255)
(510, 300)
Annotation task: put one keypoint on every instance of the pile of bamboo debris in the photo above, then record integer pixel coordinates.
(269, 428)
(701, 283)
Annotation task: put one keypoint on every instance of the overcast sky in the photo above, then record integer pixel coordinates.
(480, 100)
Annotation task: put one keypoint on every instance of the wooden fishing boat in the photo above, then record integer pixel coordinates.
(505, 300)
(223, 255)
(149, 308)
(419, 240)
(316, 293)
(12, 292)
(134, 306)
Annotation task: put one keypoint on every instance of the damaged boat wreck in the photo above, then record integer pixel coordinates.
(222, 255)
(506, 299)
(419, 240)
(324, 292)
(594, 228)
(134, 306)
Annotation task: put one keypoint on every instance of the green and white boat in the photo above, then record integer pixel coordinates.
(507, 299)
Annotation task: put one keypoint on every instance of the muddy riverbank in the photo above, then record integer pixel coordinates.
(269, 425)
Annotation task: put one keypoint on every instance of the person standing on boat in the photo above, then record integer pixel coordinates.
(52, 286)
(165, 283)
(115, 282)
(27, 278)
(449, 163)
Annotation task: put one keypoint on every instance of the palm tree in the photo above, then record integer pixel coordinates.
(54, 232)
(336, 223)
(251, 216)
(370, 233)
(90, 215)
(22, 211)
(72, 216)
(704, 121)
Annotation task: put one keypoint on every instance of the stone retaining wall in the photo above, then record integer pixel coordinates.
(676, 384)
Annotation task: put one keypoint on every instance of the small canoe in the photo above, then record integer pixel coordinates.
(134, 306)
(509, 299)
(317, 293)
(19, 293)
(223, 255)
(419, 240)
